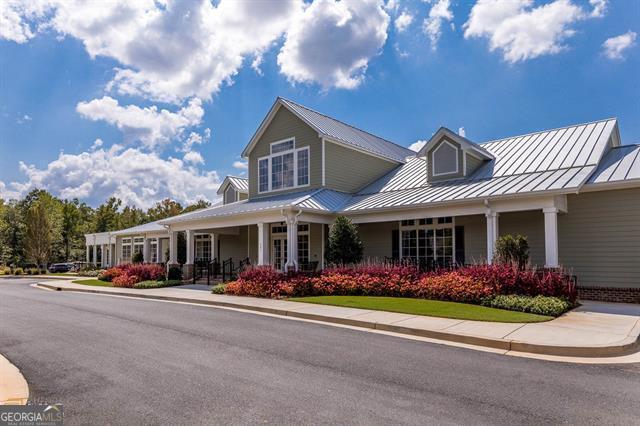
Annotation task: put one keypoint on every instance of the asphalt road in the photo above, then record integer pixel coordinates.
(113, 360)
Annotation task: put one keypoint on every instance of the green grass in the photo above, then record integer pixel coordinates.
(433, 308)
(93, 282)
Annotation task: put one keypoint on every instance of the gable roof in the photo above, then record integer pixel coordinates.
(466, 144)
(240, 184)
(622, 163)
(141, 229)
(335, 130)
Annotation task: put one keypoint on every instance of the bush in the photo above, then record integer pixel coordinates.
(33, 271)
(127, 275)
(512, 250)
(469, 284)
(218, 289)
(138, 257)
(89, 273)
(18, 271)
(345, 246)
(156, 284)
(541, 305)
(175, 273)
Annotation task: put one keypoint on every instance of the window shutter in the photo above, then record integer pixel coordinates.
(460, 245)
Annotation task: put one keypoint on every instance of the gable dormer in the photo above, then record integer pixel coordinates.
(452, 156)
(233, 189)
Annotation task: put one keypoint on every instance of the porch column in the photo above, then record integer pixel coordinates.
(146, 250)
(263, 244)
(550, 237)
(88, 253)
(292, 242)
(173, 248)
(112, 254)
(214, 247)
(492, 234)
(190, 248)
(103, 255)
(158, 250)
(95, 254)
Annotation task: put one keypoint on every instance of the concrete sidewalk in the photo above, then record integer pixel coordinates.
(592, 330)
(13, 387)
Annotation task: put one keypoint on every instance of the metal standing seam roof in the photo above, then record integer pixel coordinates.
(559, 159)
(140, 229)
(621, 163)
(239, 183)
(348, 134)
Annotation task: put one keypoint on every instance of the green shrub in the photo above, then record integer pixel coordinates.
(157, 284)
(345, 246)
(33, 271)
(512, 250)
(137, 257)
(18, 271)
(541, 305)
(175, 273)
(218, 289)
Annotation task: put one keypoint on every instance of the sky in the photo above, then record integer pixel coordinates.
(149, 100)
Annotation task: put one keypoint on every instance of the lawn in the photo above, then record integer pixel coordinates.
(93, 282)
(433, 308)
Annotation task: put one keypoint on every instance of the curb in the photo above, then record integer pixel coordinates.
(624, 347)
(14, 389)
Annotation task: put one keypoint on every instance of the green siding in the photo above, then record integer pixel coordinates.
(234, 246)
(286, 125)
(348, 170)
(599, 238)
(472, 164)
(475, 237)
(529, 224)
(376, 238)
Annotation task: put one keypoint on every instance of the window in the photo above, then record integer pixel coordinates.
(138, 245)
(154, 250)
(126, 249)
(444, 159)
(286, 167)
(429, 242)
(230, 195)
(303, 167)
(203, 247)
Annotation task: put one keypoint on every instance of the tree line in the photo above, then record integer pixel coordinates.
(41, 228)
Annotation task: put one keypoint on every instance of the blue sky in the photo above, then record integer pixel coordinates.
(497, 68)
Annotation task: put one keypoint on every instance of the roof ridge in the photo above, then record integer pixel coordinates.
(346, 124)
(237, 177)
(546, 130)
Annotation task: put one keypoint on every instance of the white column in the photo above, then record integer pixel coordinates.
(146, 250)
(88, 252)
(103, 255)
(551, 237)
(263, 244)
(95, 254)
(158, 250)
(492, 234)
(214, 247)
(190, 248)
(292, 242)
(173, 248)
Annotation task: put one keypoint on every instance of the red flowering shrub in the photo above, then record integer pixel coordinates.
(469, 284)
(127, 275)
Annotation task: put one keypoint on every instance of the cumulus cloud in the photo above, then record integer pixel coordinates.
(614, 47)
(432, 26)
(417, 145)
(19, 19)
(523, 31)
(403, 21)
(138, 178)
(241, 165)
(332, 42)
(599, 8)
(151, 126)
(193, 157)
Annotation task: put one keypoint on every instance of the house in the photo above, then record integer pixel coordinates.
(574, 192)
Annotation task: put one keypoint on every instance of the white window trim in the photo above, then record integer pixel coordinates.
(433, 162)
(434, 225)
(295, 166)
(280, 235)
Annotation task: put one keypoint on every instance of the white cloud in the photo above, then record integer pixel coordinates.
(432, 25)
(18, 19)
(151, 126)
(614, 47)
(193, 157)
(403, 21)
(195, 139)
(417, 146)
(241, 165)
(138, 178)
(599, 8)
(332, 42)
(523, 31)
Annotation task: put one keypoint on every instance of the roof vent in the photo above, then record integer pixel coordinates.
(461, 132)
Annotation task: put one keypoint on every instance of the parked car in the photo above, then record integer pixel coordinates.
(61, 267)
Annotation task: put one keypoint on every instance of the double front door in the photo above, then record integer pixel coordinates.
(279, 252)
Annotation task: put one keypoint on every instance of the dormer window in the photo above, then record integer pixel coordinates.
(230, 195)
(286, 167)
(445, 159)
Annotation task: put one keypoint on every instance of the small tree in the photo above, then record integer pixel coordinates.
(38, 235)
(514, 250)
(345, 246)
(138, 257)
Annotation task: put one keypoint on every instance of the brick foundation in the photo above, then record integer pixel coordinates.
(609, 294)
